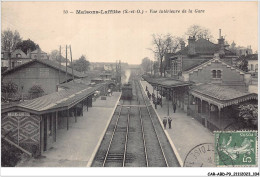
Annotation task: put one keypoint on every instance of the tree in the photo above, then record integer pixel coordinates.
(9, 89)
(10, 39)
(242, 63)
(199, 32)
(163, 44)
(249, 114)
(82, 64)
(27, 44)
(155, 67)
(146, 64)
(36, 91)
(55, 56)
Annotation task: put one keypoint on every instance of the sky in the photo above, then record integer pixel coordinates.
(125, 37)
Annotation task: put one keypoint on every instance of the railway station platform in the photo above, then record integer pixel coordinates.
(74, 147)
(186, 132)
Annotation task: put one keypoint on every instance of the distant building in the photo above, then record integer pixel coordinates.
(4, 60)
(46, 73)
(18, 57)
(38, 54)
(198, 51)
(105, 66)
(252, 60)
(239, 51)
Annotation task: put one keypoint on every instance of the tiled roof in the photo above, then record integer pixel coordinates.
(74, 84)
(49, 63)
(204, 46)
(36, 51)
(18, 51)
(195, 65)
(219, 95)
(61, 100)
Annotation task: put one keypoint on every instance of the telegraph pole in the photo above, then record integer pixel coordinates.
(66, 64)
(71, 63)
(59, 64)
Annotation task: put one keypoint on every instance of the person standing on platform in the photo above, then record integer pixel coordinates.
(164, 122)
(155, 102)
(109, 92)
(170, 122)
(146, 88)
(174, 107)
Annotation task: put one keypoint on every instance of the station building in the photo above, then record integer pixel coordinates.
(45, 73)
(34, 124)
(207, 91)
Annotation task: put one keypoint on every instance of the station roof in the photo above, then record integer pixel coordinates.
(166, 82)
(56, 101)
(219, 95)
(48, 63)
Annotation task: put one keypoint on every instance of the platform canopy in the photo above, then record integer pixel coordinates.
(219, 95)
(56, 101)
(166, 82)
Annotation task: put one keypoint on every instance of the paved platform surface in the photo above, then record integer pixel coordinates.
(186, 132)
(75, 147)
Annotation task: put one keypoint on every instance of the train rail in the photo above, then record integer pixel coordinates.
(134, 137)
(162, 159)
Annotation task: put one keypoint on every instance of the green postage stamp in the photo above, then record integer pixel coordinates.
(236, 148)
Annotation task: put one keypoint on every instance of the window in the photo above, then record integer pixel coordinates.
(18, 55)
(175, 68)
(252, 67)
(216, 74)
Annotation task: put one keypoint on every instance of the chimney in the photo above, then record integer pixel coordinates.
(29, 55)
(39, 53)
(221, 44)
(182, 45)
(191, 45)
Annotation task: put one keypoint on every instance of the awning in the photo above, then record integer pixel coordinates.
(219, 95)
(166, 82)
(56, 101)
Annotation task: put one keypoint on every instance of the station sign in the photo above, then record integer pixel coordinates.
(18, 114)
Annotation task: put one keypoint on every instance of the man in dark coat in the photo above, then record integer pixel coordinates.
(164, 122)
(170, 122)
(174, 107)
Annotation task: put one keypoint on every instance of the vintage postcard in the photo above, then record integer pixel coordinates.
(129, 84)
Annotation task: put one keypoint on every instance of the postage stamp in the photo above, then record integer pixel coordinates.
(236, 148)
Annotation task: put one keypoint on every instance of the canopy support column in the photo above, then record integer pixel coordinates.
(68, 113)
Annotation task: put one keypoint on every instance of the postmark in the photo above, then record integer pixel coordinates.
(236, 148)
(201, 155)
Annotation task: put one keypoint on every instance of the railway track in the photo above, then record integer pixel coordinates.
(134, 138)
